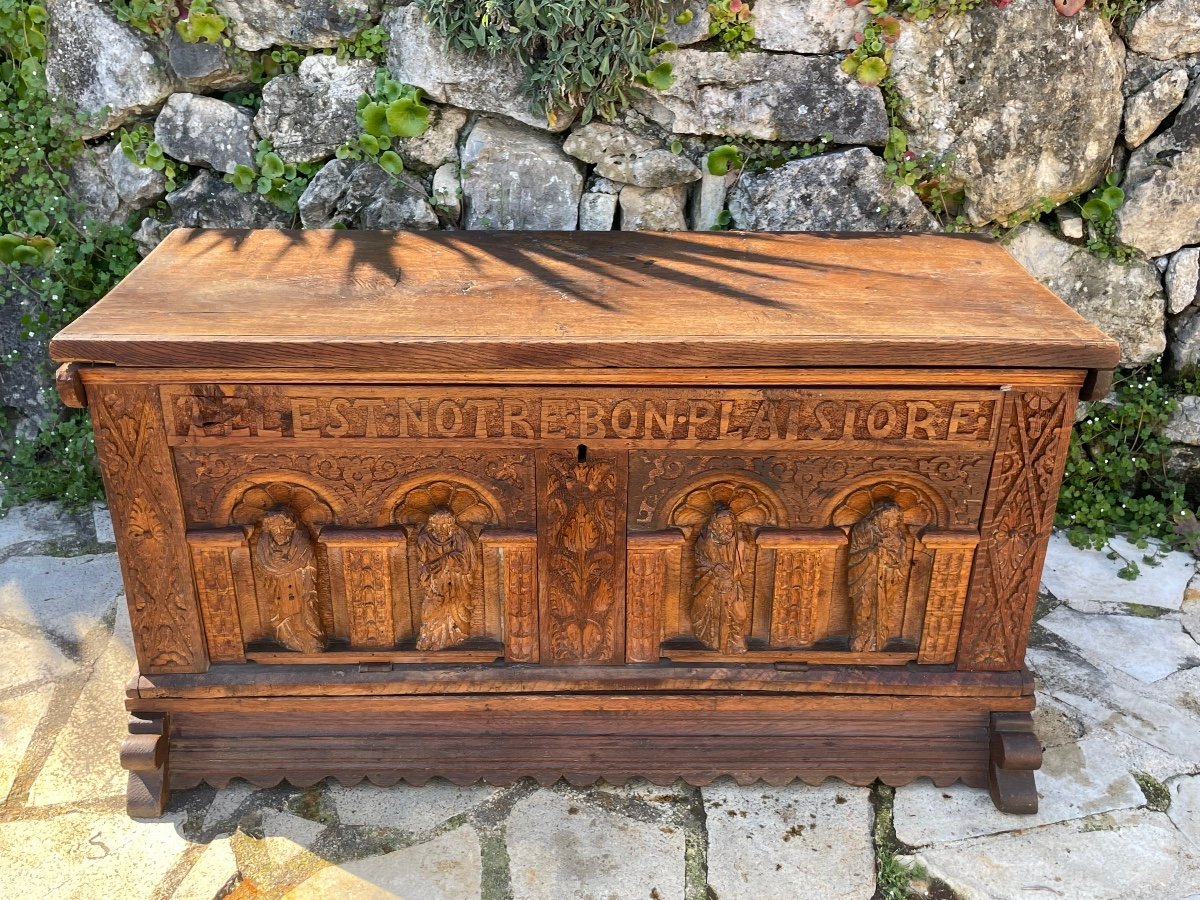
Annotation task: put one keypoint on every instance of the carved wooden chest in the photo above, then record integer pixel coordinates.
(493, 505)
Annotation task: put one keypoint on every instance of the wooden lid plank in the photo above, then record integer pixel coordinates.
(456, 300)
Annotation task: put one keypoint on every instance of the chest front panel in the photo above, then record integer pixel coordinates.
(604, 524)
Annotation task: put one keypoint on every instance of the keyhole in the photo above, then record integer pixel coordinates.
(582, 453)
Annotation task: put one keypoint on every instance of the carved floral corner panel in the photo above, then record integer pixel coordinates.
(1031, 453)
(148, 519)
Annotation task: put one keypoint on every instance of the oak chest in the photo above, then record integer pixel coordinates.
(482, 505)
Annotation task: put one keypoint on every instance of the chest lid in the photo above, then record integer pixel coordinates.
(431, 301)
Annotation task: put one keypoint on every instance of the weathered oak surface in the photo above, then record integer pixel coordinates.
(491, 505)
(452, 300)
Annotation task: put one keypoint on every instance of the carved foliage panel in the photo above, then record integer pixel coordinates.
(1030, 456)
(581, 566)
(149, 523)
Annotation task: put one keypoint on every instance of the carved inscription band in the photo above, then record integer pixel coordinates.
(801, 417)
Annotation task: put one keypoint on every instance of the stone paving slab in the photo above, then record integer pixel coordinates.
(560, 845)
(89, 855)
(66, 596)
(210, 874)
(445, 868)
(766, 842)
(80, 767)
(1147, 649)
(415, 809)
(1127, 855)
(1076, 779)
(19, 719)
(1119, 694)
(31, 660)
(1185, 806)
(1086, 578)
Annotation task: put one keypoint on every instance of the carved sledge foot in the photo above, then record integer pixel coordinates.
(1016, 753)
(144, 754)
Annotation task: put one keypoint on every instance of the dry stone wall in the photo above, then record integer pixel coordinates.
(1016, 111)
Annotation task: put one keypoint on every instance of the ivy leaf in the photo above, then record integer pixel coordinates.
(660, 77)
(871, 71)
(368, 144)
(8, 245)
(374, 119)
(684, 17)
(391, 162)
(724, 158)
(272, 166)
(37, 220)
(1096, 210)
(407, 117)
(849, 65)
(1113, 197)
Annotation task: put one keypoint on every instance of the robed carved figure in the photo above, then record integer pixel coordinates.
(881, 521)
(446, 552)
(286, 568)
(718, 595)
(877, 575)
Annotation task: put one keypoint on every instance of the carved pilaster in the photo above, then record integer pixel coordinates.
(1034, 437)
(148, 521)
(512, 555)
(805, 572)
(950, 575)
(224, 586)
(366, 572)
(652, 581)
(581, 566)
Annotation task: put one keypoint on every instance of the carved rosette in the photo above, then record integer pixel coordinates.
(720, 521)
(1022, 494)
(881, 521)
(582, 580)
(444, 519)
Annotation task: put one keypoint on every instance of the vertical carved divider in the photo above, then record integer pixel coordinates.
(953, 553)
(1018, 513)
(147, 513)
(220, 565)
(805, 573)
(652, 577)
(512, 557)
(366, 572)
(581, 556)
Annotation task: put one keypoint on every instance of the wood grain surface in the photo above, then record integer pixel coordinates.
(454, 300)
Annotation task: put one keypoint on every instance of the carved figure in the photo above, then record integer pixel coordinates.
(718, 598)
(447, 556)
(877, 575)
(286, 568)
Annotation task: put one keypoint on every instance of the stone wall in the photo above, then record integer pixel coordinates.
(1025, 109)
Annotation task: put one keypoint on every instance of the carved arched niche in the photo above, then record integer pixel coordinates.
(282, 522)
(443, 520)
(720, 522)
(882, 521)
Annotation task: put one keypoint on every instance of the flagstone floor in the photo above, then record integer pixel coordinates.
(1118, 673)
